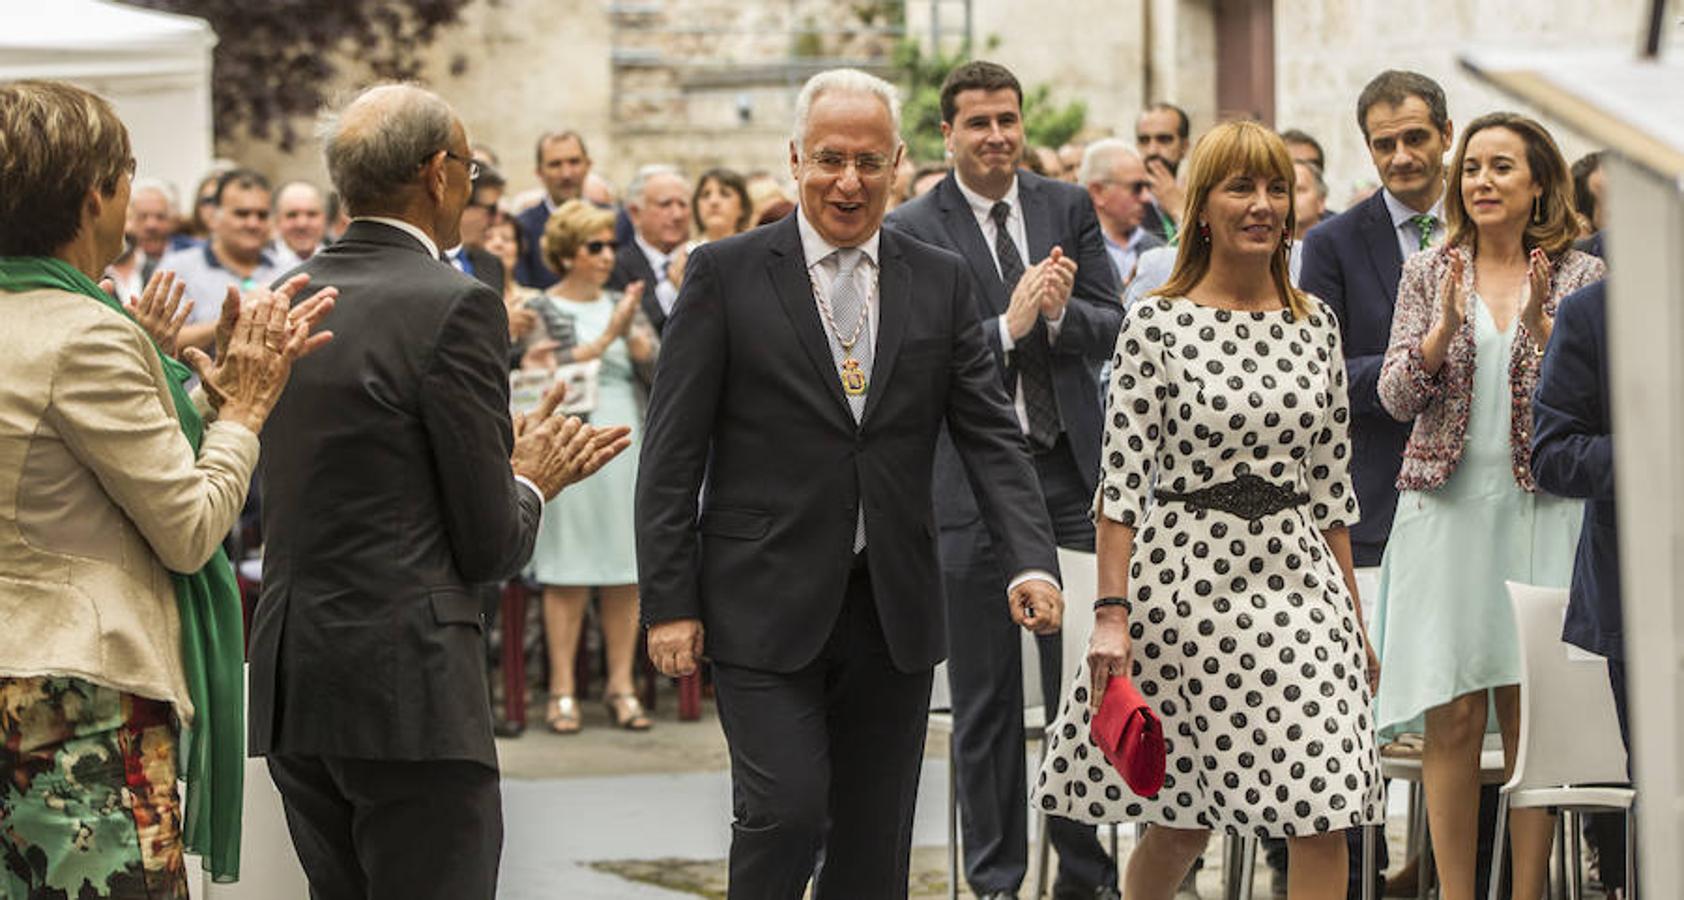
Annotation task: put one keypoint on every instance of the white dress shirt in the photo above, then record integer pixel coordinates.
(821, 267)
(983, 209)
(666, 293)
(1408, 236)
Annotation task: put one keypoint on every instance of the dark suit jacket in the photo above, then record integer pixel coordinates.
(631, 265)
(746, 391)
(1353, 263)
(530, 268)
(1573, 456)
(388, 493)
(487, 268)
(1054, 213)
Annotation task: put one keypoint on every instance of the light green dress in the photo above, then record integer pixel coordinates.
(587, 537)
(1443, 626)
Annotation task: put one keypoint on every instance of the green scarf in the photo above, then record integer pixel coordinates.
(212, 629)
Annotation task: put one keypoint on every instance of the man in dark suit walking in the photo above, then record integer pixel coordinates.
(1047, 299)
(803, 380)
(390, 490)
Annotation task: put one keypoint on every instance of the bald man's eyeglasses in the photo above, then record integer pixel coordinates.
(473, 166)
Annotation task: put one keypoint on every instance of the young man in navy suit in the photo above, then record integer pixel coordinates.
(1047, 297)
(1353, 262)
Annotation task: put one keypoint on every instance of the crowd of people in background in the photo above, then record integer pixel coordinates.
(1445, 289)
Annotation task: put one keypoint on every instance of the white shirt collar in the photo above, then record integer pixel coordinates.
(1401, 213)
(406, 228)
(984, 207)
(815, 248)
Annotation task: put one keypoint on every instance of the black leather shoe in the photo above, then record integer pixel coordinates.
(998, 895)
(504, 728)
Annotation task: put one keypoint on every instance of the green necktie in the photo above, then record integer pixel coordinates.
(1424, 227)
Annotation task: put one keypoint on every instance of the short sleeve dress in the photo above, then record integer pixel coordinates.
(1246, 642)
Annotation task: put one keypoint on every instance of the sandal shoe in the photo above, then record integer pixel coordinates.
(563, 715)
(625, 711)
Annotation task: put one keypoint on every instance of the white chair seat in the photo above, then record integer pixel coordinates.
(1597, 798)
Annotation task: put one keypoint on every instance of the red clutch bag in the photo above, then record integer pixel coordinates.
(1130, 736)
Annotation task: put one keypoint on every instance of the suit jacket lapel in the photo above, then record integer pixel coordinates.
(894, 309)
(788, 271)
(1383, 248)
(1037, 221)
(967, 239)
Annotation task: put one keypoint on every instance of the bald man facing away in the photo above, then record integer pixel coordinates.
(393, 484)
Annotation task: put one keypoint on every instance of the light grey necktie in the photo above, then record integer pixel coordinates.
(847, 306)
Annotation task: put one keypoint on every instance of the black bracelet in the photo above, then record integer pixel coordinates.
(1109, 601)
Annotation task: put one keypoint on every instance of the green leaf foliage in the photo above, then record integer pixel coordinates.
(1046, 123)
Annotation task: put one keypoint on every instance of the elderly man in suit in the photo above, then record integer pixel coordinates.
(392, 491)
(804, 378)
(1047, 299)
(658, 202)
(1115, 178)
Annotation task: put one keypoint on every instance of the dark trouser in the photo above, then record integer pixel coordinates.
(984, 670)
(826, 757)
(369, 829)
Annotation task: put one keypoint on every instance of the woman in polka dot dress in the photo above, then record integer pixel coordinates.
(1225, 567)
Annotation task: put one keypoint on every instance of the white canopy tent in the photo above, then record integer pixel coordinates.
(155, 68)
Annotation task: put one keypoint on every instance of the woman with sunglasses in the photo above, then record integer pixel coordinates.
(587, 541)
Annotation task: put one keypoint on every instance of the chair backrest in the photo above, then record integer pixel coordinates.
(1569, 734)
(1080, 573)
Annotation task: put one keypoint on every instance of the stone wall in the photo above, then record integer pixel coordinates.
(706, 82)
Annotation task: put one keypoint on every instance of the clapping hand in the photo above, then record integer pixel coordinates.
(1453, 300)
(1058, 281)
(1532, 315)
(1025, 303)
(264, 336)
(160, 309)
(555, 451)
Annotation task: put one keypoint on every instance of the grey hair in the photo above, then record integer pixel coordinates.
(634, 189)
(372, 154)
(1099, 158)
(160, 186)
(1315, 176)
(851, 81)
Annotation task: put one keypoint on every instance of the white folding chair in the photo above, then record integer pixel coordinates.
(941, 722)
(1569, 732)
(269, 867)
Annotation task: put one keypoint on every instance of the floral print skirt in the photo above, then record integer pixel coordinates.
(88, 803)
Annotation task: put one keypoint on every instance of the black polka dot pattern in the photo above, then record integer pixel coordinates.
(1244, 635)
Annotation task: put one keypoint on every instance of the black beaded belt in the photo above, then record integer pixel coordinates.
(1247, 496)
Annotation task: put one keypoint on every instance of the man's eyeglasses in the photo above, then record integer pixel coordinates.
(595, 247)
(866, 164)
(473, 166)
(1133, 187)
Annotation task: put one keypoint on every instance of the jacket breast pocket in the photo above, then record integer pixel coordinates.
(741, 524)
(451, 607)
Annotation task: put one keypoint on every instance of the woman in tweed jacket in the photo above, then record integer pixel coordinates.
(1470, 326)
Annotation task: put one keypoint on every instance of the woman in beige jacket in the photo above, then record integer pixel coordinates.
(116, 491)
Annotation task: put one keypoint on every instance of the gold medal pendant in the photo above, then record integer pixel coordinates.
(853, 378)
